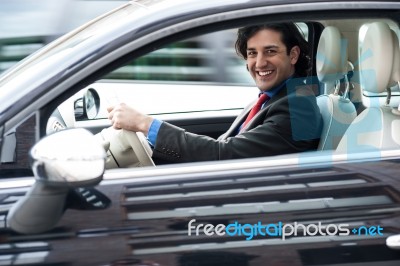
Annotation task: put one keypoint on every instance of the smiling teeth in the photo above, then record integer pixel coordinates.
(264, 73)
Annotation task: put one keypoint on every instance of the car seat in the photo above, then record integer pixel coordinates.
(377, 127)
(337, 110)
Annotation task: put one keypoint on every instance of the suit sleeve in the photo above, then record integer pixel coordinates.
(279, 131)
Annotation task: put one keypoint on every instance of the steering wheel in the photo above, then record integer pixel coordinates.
(140, 147)
(125, 148)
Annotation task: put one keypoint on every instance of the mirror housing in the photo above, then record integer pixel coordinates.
(71, 157)
(60, 162)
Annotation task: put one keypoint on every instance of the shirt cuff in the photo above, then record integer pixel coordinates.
(153, 131)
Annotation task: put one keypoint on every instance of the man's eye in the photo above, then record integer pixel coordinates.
(251, 53)
(271, 52)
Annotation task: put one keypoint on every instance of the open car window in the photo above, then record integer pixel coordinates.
(188, 76)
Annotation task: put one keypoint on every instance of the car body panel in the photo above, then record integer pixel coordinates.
(141, 228)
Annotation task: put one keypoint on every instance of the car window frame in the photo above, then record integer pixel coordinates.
(315, 29)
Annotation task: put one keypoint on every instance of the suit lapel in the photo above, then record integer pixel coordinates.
(240, 119)
(282, 93)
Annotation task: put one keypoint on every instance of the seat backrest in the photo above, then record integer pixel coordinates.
(336, 110)
(377, 127)
(337, 114)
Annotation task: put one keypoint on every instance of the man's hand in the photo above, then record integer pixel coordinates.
(124, 117)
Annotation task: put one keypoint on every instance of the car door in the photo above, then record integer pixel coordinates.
(343, 211)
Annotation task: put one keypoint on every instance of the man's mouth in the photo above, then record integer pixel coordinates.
(264, 73)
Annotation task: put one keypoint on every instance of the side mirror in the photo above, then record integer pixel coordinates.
(88, 106)
(91, 103)
(71, 157)
(66, 159)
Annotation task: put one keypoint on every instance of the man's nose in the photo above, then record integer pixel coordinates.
(261, 60)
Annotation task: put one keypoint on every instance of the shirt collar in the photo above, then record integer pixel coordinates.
(274, 91)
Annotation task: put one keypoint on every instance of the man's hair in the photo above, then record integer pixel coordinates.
(290, 36)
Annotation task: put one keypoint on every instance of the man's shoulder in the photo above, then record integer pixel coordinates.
(301, 87)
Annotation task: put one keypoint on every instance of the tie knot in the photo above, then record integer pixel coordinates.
(262, 99)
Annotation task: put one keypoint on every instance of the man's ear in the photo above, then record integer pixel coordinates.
(294, 54)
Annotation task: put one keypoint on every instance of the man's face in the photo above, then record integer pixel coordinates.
(267, 59)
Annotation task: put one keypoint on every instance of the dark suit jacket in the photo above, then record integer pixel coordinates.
(290, 122)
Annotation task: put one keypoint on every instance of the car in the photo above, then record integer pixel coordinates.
(75, 191)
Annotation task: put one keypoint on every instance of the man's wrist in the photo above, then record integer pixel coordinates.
(153, 131)
(147, 121)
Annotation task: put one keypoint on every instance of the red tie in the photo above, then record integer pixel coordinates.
(262, 99)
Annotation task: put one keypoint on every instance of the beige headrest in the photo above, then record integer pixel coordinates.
(331, 55)
(376, 58)
(396, 60)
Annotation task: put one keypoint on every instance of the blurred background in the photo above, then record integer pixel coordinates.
(27, 25)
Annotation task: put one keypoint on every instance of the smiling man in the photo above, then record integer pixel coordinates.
(284, 119)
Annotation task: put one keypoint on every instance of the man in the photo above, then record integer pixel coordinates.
(289, 120)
